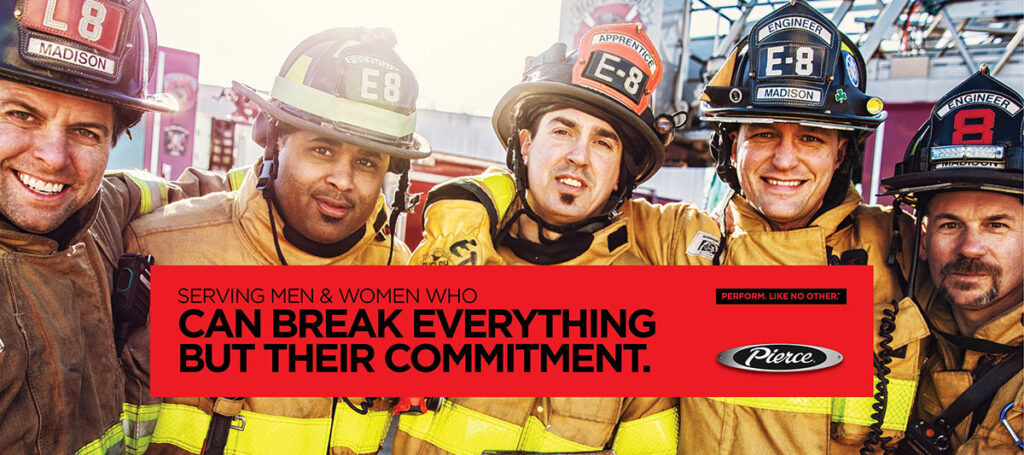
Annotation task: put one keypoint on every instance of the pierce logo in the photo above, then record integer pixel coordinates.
(779, 358)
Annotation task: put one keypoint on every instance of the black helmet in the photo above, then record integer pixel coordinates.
(972, 140)
(346, 83)
(102, 50)
(612, 76)
(795, 66)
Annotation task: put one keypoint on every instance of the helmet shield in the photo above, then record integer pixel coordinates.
(795, 66)
(348, 84)
(98, 49)
(971, 140)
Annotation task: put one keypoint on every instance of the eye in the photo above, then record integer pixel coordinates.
(87, 133)
(763, 135)
(949, 225)
(20, 116)
(560, 132)
(605, 144)
(810, 138)
(325, 151)
(998, 225)
(367, 163)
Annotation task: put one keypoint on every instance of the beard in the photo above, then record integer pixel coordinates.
(969, 265)
(568, 199)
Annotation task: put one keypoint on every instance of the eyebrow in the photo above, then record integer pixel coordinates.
(996, 217)
(601, 131)
(7, 102)
(371, 154)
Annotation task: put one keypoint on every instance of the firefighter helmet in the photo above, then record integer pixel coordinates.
(348, 84)
(795, 66)
(98, 50)
(612, 76)
(971, 140)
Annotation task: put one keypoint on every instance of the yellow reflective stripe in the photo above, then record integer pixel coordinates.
(298, 70)
(342, 110)
(536, 438)
(360, 433)
(139, 422)
(656, 434)
(503, 190)
(808, 405)
(855, 410)
(897, 410)
(462, 431)
(111, 442)
(186, 427)
(182, 426)
(235, 177)
(153, 191)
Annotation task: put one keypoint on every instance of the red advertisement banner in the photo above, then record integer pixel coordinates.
(511, 331)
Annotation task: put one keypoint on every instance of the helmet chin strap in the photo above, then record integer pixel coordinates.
(265, 184)
(588, 225)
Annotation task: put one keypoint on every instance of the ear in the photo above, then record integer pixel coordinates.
(843, 142)
(922, 252)
(524, 144)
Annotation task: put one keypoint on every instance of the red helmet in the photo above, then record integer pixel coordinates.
(612, 76)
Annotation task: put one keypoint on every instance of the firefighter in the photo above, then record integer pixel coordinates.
(962, 173)
(70, 84)
(580, 135)
(790, 116)
(341, 114)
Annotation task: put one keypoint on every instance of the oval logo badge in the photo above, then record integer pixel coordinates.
(779, 358)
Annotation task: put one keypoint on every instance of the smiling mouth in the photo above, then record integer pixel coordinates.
(789, 183)
(39, 186)
(570, 181)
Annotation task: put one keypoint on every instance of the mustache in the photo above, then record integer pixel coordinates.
(335, 197)
(581, 172)
(970, 265)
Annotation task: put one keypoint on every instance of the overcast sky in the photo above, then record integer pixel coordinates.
(465, 53)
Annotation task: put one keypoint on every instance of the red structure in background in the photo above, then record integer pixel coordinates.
(904, 120)
(170, 137)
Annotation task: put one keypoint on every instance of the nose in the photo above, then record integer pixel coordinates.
(972, 243)
(785, 156)
(51, 146)
(340, 177)
(579, 154)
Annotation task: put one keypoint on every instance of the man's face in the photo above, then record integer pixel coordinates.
(326, 189)
(973, 242)
(53, 150)
(785, 169)
(573, 165)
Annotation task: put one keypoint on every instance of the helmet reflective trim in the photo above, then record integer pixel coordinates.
(337, 109)
(760, 120)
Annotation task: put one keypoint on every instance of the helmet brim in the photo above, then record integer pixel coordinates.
(762, 115)
(419, 148)
(636, 134)
(160, 102)
(914, 184)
